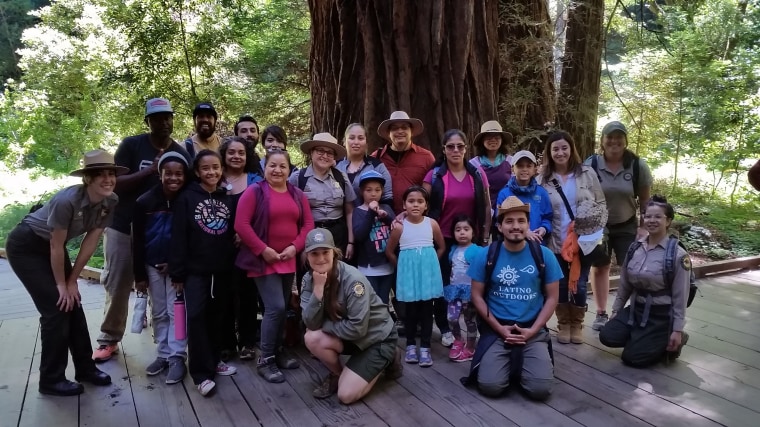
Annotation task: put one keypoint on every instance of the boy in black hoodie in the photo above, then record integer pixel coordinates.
(201, 258)
(152, 231)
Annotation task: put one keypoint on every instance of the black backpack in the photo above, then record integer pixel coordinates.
(669, 272)
(629, 156)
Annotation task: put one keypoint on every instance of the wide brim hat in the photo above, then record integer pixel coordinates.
(512, 204)
(97, 160)
(396, 117)
(492, 127)
(590, 217)
(319, 238)
(326, 140)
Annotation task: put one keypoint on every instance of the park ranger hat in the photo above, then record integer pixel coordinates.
(492, 127)
(319, 238)
(325, 140)
(97, 160)
(396, 117)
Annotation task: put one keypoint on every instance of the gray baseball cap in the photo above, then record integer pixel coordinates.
(158, 105)
(319, 238)
(613, 126)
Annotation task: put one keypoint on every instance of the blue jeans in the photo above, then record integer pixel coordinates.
(579, 297)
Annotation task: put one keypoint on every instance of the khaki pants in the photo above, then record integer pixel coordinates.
(118, 279)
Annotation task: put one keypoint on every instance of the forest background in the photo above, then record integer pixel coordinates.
(684, 75)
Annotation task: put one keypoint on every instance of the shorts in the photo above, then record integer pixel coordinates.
(617, 238)
(369, 363)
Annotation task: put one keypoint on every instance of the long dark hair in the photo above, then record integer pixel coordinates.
(446, 136)
(330, 300)
(573, 163)
(252, 160)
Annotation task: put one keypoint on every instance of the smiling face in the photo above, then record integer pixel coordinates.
(455, 149)
(614, 145)
(322, 157)
(523, 171)
(271, 142)
(101, 184)
(356, 141)
(492, 142)
(172, 176)
(276, 170)
(656, 220)
(400, 134)
(514, 226)
(560, 152)
(234, 157)
(205, 124)
(321, 259)
(209, 170)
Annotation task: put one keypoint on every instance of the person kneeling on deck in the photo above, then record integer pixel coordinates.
(656, 278)
(515, 289)
(344, 315)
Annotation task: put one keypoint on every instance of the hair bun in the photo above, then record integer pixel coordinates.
(659, 198)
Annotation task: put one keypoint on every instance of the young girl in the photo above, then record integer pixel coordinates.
(457, 293)
(418, 275)
(152, 231)
(372, 228)
(200, 260)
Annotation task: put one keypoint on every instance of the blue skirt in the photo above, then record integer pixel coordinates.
(457, 292)
(418, 275)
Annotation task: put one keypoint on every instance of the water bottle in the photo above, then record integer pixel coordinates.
(180, 322)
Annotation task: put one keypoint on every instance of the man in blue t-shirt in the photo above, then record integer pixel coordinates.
(514, 307)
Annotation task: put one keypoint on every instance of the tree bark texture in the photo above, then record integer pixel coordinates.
(437, 60)
(526, 80)
(577, 104)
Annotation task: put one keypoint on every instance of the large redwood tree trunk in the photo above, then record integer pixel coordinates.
(437, 60)
(578, 101)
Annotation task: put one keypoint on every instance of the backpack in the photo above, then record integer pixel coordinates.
(634, 167)
(190, 148)
(669, 270)
(493, 256)
(302, 178)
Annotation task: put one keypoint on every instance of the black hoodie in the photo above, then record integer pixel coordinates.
(202, 233)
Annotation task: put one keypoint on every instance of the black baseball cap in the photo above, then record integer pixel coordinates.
(205, 107)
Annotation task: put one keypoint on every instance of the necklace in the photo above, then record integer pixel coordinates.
(229, 185)
(355, 168)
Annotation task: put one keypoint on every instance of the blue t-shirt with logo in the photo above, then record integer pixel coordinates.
(514, 291)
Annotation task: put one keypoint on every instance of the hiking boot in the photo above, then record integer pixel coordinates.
(396, 369)
(411, 354)
(456, 350)
(600, 321)
(284, 361)
(268, 369)
(157, 366)
(206, 387)
(225, 370)
(328, 387)
(177, 370)
(577, 315)
(671, 356)
(247, 353)
(426, 360)
(105, 352)
(563, 322)
(447, 339)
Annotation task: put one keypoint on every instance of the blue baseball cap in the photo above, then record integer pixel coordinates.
(371, 175)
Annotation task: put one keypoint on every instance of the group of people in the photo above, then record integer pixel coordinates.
(377, 245)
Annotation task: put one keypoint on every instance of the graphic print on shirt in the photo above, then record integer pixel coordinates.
(379, 235)
(508, 277)
(212, 216)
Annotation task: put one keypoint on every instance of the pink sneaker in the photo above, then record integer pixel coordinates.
(456, 350)
(465, 355)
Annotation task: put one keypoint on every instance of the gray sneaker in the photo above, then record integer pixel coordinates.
(177, 370)
(157, 366)
(268, 369)
(600, 321)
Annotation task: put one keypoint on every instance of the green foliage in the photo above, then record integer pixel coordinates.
(10, 216)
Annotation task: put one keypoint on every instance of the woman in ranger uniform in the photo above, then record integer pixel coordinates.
(652, 325)
(344, 315)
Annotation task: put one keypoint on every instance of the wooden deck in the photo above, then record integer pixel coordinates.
(716, 381)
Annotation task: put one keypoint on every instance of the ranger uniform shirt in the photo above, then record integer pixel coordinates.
(326, 197)
(618, 189)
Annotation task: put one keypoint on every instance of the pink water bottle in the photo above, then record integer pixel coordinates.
(180, 322)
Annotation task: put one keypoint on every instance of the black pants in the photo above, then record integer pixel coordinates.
(204, 339)
(642, 346)
(246, 309)
(60, 332)
(419, 312)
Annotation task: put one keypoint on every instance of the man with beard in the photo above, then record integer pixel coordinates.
(204, 122)
(139, 153)
(247, 128)
(514, 303)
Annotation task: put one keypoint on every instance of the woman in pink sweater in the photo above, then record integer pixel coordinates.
(273, 218)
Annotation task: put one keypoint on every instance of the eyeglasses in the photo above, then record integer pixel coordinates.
(455, 147)
(324, 152)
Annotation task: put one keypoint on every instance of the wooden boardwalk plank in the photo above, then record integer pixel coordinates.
(17, 341)
(225, 407)
(157, 403)
(398, 407)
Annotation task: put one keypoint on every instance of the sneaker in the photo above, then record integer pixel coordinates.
(206, 387)
(671, 356)
(411, 354)
(105, 352)
(328, 387)
(465, 355)
(247, 353)
(177, 370)
(225, 370)
(396, 369)
(268, 369)
(600, 321)
(426, 360)
(447, 339)
(456, 350)
(157, 366)
(284, 361)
